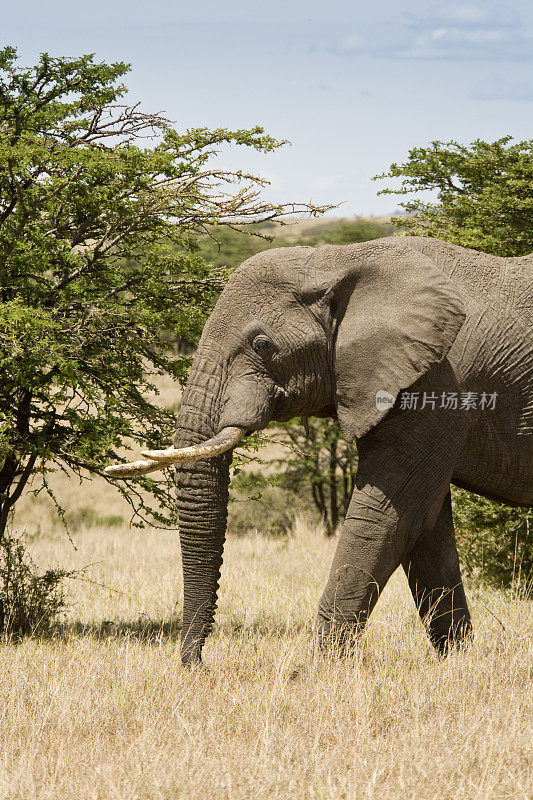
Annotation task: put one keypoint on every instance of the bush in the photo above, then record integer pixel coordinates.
(484, 194)
(102, 207)
(259, 503)
(495, 541)
(30, 603)
(229, 247)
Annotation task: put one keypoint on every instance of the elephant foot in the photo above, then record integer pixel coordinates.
(195, 665)
(453, 638)
(446, 617)
(337, 638)
(191, 658)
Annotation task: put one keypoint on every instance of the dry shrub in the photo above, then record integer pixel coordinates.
(30, 602)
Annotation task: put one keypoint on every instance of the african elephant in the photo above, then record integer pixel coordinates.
(424, 353)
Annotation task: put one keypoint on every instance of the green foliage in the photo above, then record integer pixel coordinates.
(484, 194)
(259, 503)
(31, 602)
(319, 465)
(229, 247)
(101, 210)
(495, 541)
(314, 478)
(87, 517)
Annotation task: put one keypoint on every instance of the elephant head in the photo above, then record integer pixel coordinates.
(296, 331)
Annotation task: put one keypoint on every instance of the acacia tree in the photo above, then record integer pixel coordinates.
(485, 202)
(484, 194)
(101, 208)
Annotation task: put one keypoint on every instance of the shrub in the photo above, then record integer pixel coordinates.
(30, 603)
(484, 194)
(259, 503)
(102, 207)
(495, 541)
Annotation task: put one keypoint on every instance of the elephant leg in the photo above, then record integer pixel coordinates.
(384, 519)
(405, 468)
(433, 572)
(355, 581)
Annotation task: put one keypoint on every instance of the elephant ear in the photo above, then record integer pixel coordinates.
(397, 314)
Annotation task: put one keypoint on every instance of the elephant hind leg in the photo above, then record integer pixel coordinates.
(433, 571)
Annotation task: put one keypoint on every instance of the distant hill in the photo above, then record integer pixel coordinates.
(318, 227)
(226, 247)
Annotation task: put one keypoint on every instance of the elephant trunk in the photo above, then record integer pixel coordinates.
(202, 500)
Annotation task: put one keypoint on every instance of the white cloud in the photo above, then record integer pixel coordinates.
(475, 31)
(495, 87)
(469, 44)
(470, 15)
(350, 45)
(471, 32)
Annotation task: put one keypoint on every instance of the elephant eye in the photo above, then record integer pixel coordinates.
(262, 345)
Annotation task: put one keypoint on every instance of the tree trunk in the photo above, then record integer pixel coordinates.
(14, 475)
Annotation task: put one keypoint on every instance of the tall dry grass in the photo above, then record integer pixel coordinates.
(104, 710)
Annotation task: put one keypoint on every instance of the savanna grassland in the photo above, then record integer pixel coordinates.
(100, 708)
(103, 709)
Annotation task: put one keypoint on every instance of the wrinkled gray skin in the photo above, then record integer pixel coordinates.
(337, 325)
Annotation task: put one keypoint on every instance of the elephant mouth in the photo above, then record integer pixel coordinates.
(280, 403)
(253, 408)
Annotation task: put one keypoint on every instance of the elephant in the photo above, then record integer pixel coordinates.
(423, 351)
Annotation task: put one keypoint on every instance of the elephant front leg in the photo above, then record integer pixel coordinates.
(405, 467)
(433, 572)
(367, 554)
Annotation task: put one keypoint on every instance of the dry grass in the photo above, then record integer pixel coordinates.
(104, 710)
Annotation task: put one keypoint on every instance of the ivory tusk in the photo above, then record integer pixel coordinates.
(132, 469)
(225, 440)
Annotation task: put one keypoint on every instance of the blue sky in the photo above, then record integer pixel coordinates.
(352, 86)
